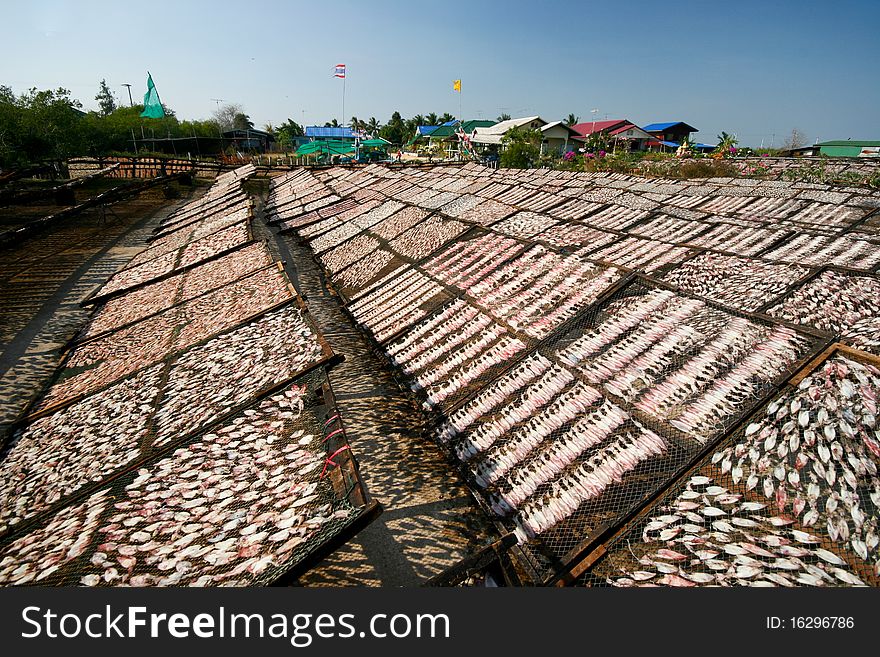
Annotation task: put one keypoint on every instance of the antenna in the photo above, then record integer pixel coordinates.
(218, 101)
(130, 101)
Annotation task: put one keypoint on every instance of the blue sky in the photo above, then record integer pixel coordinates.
(757, 69)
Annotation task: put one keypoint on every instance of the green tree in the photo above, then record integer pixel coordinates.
(287, 132)
(571, 119)
(242, 121)
(105, 99)
(446, 117)
(373, 126)
(522, 148)
(503, 117)
(431, 119)
(39, 125)
(395, 130)
(597, 142)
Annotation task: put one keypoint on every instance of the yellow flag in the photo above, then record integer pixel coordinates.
(456, 85)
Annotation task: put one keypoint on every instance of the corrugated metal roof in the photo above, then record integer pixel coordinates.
(325, 132)
(563, 124)
(590, 127)
(660, 127)
(849, 142)
(426, 129)
(504, 126)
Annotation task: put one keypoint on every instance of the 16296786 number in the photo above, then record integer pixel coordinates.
(821, 622)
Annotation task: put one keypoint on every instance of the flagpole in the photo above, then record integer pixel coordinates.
(343, 97)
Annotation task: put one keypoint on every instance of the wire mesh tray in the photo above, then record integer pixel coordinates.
(153, 298)
(376, 268)
(197, 252)
(741, 283)
(760, 510)
(538, 290)
(394, 305)
(96, 363)
(79, 439)
(821, 250)
(474, 255)
(199, 225)
(251, 503)
(451, 353)
(677, 358)
(836, 300)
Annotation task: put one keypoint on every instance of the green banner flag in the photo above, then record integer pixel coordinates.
(152, 105)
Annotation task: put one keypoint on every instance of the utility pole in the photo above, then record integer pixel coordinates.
(130, 101)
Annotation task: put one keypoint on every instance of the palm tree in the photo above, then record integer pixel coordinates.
(571, 119)
(726, 142)
(332, 124)
(446, 118)
(431, 119)
(373, 125)
(503, 117)
(356, 124)
(418, 119)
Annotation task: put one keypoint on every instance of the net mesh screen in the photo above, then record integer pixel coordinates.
(737, 282)
(57, 456)
(838, 302)
(99, 362)
(239, 506)
(789, 499)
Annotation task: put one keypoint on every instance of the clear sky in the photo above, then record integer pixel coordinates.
(754, 68)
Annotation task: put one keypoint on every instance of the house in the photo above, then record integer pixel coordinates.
(666, 136)
(556, 137)
(447, 134)
(491, 135)
(849, 148)
(624, 134)
(249, 139)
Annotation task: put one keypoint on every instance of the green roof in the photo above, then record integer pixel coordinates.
(849, 142)
(482, 123)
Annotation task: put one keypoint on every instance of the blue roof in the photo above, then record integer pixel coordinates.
(321, 131)
(427, 129)
(660, 127)
(705, 146)
(669, 143)
(452, 122)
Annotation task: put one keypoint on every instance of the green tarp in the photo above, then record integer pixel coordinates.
(152, 105)
(332, 148)
(374, 143)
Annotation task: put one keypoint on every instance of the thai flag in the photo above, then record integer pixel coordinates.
(340, 71)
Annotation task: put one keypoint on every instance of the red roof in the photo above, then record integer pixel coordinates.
(626, 126)
(590, 127)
